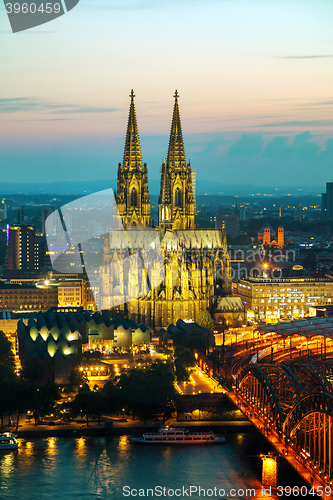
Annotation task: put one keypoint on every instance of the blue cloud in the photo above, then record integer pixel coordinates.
(214, 145)
(280, 149)
(247, 146)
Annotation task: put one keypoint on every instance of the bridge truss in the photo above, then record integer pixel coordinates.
(295, 402)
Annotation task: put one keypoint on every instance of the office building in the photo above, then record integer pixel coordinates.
(327, 203)
(231, 223)
(285, 298)
(20, 246)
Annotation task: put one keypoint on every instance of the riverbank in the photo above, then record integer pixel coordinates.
(118, 428)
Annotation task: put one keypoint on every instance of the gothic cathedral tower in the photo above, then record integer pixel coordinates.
(132, 195)
(176, 206)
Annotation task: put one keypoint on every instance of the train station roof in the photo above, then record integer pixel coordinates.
(306, 327)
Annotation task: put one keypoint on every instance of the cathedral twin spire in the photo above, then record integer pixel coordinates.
(176, 201)
(132, 152)
(132, 195)
(176, 151)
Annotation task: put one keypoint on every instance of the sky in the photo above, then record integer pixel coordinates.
(255, 80)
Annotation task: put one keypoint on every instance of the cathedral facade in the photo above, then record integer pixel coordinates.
(195, 264)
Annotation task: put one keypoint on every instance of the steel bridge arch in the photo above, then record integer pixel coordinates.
(310, 378)
(327, 387)
(256, 372)
(312, 403)
(293, 380)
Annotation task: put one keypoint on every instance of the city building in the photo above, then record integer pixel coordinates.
(41, 257)
(327, 203)
(229, 312)
(231, 222)
(267, 236)
(30, 292)
(54, 339)
(70, 294)
(196, 261)
(27, 297)
(20, 247)
(3, 209)
(191, 329)
(45, 213)
(51, 343)
(272, 299)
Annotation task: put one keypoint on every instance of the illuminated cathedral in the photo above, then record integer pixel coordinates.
(195, 261)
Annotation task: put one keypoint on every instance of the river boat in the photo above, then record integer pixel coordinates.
(179, 435)
(8, 441)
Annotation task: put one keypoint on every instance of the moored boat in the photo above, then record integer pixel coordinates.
(179, 435)
(8, 441)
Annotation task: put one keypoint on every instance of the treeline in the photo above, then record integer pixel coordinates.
(145, 392)
(184, 359)
(17, 394)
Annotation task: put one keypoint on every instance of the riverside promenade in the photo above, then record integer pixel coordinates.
(122, 426)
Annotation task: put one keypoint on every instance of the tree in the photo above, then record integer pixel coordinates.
(84, 403)
(32, 371)
(6, 373)
(112, 398)
(53, 389)
(42, 402)
(184, 360)
(6, 353)
(7, 379)
(22, 394)
(77, 379)
(205, 320)
(148, 391)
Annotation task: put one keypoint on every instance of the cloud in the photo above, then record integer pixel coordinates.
(25, 104)
(318, 56)
(318, 103)
(301, 139)
(296, 123)
(214, 146)
(280, 149)
(327, 154)
(247, 146)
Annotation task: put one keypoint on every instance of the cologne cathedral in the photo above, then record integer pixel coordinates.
(195, 264)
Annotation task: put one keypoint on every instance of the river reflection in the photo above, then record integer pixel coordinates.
(97, 468)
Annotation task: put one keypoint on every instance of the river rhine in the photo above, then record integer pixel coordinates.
(98, 468)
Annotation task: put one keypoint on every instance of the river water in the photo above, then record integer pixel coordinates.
(103, 468)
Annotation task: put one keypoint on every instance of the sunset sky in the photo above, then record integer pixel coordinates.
(255, 79)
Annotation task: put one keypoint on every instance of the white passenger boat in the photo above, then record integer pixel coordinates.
(8, 441)
(179, 435)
